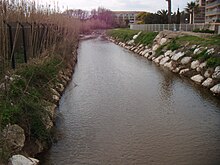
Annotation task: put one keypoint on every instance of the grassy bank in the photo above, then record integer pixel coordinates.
(181, 43)
(27, 96)
(125, 35)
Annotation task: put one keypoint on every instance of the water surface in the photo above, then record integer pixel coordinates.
(121, 109)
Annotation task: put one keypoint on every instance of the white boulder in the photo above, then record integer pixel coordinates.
(178, 56)
(167, 53)
(208, 82)
(197, 78)
(195, 64)
(201, 66)
(157, 60)
(164, 60)
(22, 160)
(216, 73)
(197, 51)
(169, 65)
(163, 41)
(216, 89)
(183, 71)
(211, 51)
(155, 47)
(186, 60)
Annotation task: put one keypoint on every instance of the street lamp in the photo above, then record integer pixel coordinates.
(169, 11)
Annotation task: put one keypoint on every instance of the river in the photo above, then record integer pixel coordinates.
(121, 109)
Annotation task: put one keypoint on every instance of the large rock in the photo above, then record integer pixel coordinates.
(169, 65)
(209, 72)
(208, 82)
(178, 56)
(145, 51)
(183, 71)
(167, 53)
(54, 92)
(211, 51)
(216, 89)
(157, 60)
(14, 137)
(164, 60)
(201, 66)
(136, 36)
(163, 41)
(155, 47)
(22, 160)
(60, 88)
(216, 73)
(197, 78)
(197, 50)
(186, 60)
(195, 64)
(131, 42)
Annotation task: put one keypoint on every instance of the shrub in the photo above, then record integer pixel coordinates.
(213, 62)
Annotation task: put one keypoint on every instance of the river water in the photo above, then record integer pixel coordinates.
(121, 109)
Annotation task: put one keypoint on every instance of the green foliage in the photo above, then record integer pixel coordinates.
(204, 31)
(173, 45)
(160, 50)
(25, 101)
(122, 35)
(125, 35)
(202, 56)
(208, 41)
(213, 61)
(146, 38)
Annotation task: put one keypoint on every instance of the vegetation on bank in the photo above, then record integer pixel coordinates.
(181, 42)
(25, 93)
(124, 35)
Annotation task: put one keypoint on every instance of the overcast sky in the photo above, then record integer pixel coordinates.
(138, 5)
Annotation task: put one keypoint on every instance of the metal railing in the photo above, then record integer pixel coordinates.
(172, 27)
(213, 3)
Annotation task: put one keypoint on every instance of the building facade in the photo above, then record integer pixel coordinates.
(123, 16)
(212, 11)
(199, 14)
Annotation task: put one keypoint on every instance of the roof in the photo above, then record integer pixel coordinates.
(127, 12)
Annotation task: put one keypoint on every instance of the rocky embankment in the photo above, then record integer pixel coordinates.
(16, 141)
(184, 60)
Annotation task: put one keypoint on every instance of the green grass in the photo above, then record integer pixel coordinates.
(173, 45)
(209, 41)
(124, 35)
(26, 96)
(213, 62)
(25, 101)
(202, 56)
(204, 31)
(146, 38)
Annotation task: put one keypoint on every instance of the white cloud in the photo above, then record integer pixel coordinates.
(140, 5)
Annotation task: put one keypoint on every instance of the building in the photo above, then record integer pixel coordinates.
(123, 16)
(199, 14)
(212, 11)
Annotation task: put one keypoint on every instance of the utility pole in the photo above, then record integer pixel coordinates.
(169, 11)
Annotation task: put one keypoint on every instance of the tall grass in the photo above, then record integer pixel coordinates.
(61, 30)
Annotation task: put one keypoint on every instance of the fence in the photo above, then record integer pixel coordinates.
(173, 27)
(22, 41)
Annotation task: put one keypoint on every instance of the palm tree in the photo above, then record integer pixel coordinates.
(191, 8)
(163, 15)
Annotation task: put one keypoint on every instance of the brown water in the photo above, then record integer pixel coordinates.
(127, 111)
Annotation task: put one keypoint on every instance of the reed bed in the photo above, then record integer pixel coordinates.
(28, 28)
